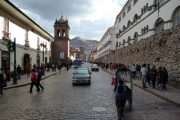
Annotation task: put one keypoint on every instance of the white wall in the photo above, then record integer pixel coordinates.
(149, 18)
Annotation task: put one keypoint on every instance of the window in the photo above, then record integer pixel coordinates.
(58, 33)
(135, 1)
(135, 37)
(119, 31)
(116, 45)
(119, 19)
(129, 39)
(124, 42)
(176, 17)
(124, 14)
(63, 33)
(129, 7)
(135, 17)
(129, 23)
(119, 44)
(124, 27)
(159, 25)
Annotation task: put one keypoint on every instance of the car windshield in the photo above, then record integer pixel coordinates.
(94, 65)
(81, 72)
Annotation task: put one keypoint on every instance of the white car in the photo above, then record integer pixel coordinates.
(94, 67)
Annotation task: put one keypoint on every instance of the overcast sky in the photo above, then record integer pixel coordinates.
(88, 19)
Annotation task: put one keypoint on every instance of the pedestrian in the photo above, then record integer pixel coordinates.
(117, 78)
(67, 66)
(120, 98)
(59, 68)
(19, 72)
(133, 70)
(148, 75)
(138, 74)
(153, 74)
(39, 77)
(160, 79)
(34, 81)
(1, 82)
(8, 74)
(144, 75)
(164, 78)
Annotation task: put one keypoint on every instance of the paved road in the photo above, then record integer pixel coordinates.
(62, 101)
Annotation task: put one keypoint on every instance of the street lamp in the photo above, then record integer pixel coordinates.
(44, 46)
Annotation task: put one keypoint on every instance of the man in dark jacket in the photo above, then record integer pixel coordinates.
(153, 73)
(164, 77)
(19, 72)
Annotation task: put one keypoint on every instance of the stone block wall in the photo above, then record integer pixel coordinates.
(161, 49)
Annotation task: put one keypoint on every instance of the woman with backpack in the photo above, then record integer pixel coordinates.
(34, 81)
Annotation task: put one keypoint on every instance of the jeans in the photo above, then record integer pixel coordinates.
(144, 80)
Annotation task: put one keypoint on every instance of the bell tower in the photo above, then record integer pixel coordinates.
(60, 48)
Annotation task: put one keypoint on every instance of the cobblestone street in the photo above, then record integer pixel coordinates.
(62, 101)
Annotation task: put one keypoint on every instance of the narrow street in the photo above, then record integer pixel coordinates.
(62, 101)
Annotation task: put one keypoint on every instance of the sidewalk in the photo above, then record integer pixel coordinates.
(171, 95)
(26, 80)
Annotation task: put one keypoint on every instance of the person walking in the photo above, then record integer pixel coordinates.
(133, 70)
(153, 73)
(59, 68)
(18, 72)
(148, 75)
(160, 79)
(164, 78)
(67, 66)
(39, 77)
(34, 81)
(144, 75)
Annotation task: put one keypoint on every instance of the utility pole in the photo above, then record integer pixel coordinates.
(15, 74)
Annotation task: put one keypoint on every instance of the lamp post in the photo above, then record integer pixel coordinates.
(44, 46)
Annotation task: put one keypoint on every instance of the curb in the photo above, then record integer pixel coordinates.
(157, 95)
(25, 84)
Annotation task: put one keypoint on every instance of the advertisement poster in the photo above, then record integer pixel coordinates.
(61, 55)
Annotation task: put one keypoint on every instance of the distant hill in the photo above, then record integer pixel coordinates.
(89, 45)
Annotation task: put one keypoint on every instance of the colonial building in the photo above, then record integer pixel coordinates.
(145, 31)
(26, 53)
(106, 44)
(140, 19)
(61, 46)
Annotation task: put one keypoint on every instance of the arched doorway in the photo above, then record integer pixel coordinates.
(176, 17)
(159, 25)
(135, 37)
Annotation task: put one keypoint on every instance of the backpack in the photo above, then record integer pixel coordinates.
(39, 74)
(33, 76)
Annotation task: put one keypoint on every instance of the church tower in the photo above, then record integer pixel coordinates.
(60, 48)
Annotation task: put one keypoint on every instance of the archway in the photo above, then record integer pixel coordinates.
(176, 17)
(159, 25)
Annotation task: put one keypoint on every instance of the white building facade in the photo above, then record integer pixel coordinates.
(140, 19)
(32, 42)
(106, 43)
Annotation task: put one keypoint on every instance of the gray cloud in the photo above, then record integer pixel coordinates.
(44, 12)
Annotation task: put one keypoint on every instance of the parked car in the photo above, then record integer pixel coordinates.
(81, 76)
(94, 67)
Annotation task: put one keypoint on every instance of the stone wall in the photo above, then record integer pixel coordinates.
(161, 50)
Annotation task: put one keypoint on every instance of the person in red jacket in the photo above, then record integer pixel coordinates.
(34, 81)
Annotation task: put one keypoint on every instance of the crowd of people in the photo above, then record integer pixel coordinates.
(148, 74)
